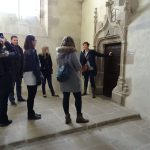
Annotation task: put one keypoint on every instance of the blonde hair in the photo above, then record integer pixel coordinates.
(45, 48)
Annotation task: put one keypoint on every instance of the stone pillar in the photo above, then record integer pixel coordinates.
(121, 90)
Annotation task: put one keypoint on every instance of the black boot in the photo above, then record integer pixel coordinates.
(34, 116)
(68, 119)
(85, 91)
(6, 123)
(80, 119)
(93, 93)
(21, 100)
(13, 103)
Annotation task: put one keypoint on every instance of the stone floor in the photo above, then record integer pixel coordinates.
(99, 111)
(134, 135)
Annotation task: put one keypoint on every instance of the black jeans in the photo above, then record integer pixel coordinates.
(5, 87)
(91, 75)
(18, 83)
(32, 90)
(78, 102)
(49, 80)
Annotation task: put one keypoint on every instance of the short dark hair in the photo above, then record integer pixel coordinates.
(13, 36)
(87, 43)
(28, 42)
(68, 41)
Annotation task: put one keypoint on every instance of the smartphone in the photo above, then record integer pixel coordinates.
(1, 35)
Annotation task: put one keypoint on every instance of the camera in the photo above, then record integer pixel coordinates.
(1, 35)
(1, 45)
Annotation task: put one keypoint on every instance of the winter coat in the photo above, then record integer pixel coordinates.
(6, 63)
(31, 63)
(69, 55)
(91, 58)
(18, 63)
(46, 64)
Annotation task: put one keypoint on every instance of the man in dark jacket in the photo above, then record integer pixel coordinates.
(88, 62)
(7, 53)
(17, 72)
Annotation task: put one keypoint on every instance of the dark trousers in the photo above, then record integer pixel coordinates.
(5, 86)
(18, 83)
(89, 75)
(78, 102)
(49, 80)
(32, 90)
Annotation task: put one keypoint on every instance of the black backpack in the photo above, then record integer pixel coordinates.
(63, 72)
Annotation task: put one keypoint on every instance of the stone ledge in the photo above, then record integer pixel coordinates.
(79, 128)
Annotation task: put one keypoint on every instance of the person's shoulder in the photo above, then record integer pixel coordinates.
(29, 51)
(92, 50)
(82, 52)
(40, 55)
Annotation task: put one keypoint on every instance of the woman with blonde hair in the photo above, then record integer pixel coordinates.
(67, 54)
(47, 70)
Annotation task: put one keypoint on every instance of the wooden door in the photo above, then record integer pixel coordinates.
(111, 68)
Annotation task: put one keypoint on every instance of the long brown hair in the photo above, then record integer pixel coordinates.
(68, 41)
(28, 44)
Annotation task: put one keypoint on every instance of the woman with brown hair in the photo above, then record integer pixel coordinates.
(31, 74)
(47, 70)
(67, 54)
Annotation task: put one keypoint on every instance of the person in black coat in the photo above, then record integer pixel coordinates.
(31, 74)
(89, 68)
(47, 70)
(7, 54)
(17, 72)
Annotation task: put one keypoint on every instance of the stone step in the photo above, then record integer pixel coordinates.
(68, 129)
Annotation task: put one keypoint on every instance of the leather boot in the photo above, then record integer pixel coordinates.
(68, 119)
(80, 119)
(85, 91)
(93, 93)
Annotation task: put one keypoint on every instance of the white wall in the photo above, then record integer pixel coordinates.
(64, 18)
(88, 8)
(138, 66)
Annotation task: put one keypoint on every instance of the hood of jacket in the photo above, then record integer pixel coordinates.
(65, 50)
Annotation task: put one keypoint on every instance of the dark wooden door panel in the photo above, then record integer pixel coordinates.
(111, 68)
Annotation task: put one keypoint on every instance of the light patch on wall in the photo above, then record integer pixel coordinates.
(10, 7)
(21, 8)
(24, 17)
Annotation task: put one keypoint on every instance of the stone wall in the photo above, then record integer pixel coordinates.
(138, 61)
(88, 8)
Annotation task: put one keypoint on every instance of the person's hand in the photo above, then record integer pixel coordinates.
(4, 54)
(42, 78)
(110, 53)
(3, 40)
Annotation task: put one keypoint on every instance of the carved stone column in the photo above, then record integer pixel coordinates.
(95, 21)
(121, 90)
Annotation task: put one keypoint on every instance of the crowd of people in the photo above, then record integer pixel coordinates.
(35, 69)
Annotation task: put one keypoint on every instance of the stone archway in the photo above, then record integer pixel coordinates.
(110, 31)
(100, 62)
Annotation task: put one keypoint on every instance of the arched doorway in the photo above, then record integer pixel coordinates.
(111, 68)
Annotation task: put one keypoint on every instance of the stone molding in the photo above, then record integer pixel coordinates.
(109, 31)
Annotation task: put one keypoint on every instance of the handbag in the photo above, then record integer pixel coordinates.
(63, 72)
(84, 68)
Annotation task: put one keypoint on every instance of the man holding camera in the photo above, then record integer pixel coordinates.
(17, 72)
(7, 53)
